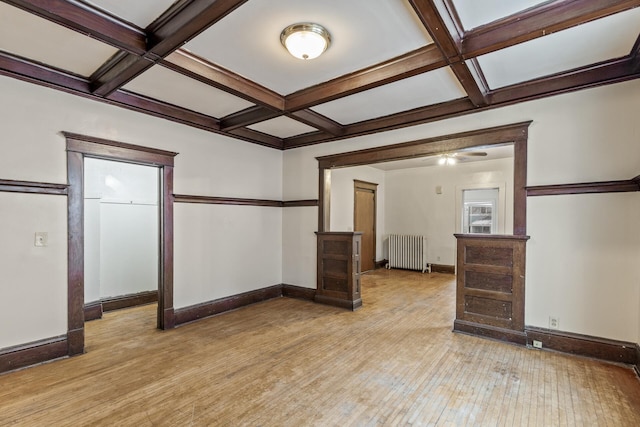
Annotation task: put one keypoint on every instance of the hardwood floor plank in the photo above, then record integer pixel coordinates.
(289, 362)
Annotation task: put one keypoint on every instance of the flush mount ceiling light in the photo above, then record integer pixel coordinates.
(305, 40)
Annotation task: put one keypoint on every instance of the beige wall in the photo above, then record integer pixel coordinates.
(590, 135)
(221, 240)
(413, 207)
(342, 200)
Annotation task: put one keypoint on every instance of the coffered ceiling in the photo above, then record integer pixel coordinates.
(219, 65)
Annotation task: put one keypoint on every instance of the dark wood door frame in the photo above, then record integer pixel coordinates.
(371, 187)
(81, 146)
(516, 134)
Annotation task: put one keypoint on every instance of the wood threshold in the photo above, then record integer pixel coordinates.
(12, 186)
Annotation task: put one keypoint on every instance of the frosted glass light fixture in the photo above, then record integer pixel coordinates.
(305, 40)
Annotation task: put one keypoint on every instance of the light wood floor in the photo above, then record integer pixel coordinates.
(287, 362)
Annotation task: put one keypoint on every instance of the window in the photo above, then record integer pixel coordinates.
(479, 213)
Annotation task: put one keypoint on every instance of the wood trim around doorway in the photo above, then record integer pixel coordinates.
(78, 147)
(516, 134)
(359, 185)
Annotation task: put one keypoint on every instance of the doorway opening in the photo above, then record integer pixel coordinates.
(80, 147)
(364, 220)
(514, 135)
(121, 235)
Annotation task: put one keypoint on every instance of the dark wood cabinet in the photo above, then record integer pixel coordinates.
(339, 269)
(490, 286)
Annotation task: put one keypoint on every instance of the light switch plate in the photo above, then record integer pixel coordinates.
(41, 238)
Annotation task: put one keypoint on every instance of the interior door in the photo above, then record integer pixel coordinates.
(364, 220)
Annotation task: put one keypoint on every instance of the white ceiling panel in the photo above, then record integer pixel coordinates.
(138, 12)
(168, 86)
(51, 44)
(282, 127)
(474, 13)
(363, 32)
(596, 41)
(425, 89)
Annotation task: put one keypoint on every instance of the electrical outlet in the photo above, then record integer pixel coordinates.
(537, 344)
(41, 238)
(554, 322)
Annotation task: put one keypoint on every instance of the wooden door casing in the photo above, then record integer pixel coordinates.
(364, 221)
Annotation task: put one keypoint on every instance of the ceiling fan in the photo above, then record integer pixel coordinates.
(459, 156)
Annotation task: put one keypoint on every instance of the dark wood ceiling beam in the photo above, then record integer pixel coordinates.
(393, 121)
(538, 21)
(26, 70)
(476, 95)
(444, 31)
(166, 35)
(247, 117)
(413, 63)
(258, 138)
(582, 78)
(200, 69)
(162, 109)
(569, 81)
(635, 56)
(318, 121)
(29, 71)
(88, 21)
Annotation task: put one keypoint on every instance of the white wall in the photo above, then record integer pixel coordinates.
(129, 248)
(585, 136)
(34, 280)
(121, 229)
(589, 135)
(225, 250)
(581, 260)
(342, 200)
(413, 207)
(33, 301)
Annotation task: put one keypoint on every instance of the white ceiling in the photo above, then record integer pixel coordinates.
(282, 127)
(176, 89)
(363, 32)
(138, 12)
(607, 38)
(429, 88)
(52, 44)
(474, 13)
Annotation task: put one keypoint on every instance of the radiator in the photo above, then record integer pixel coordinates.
(408, 252)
